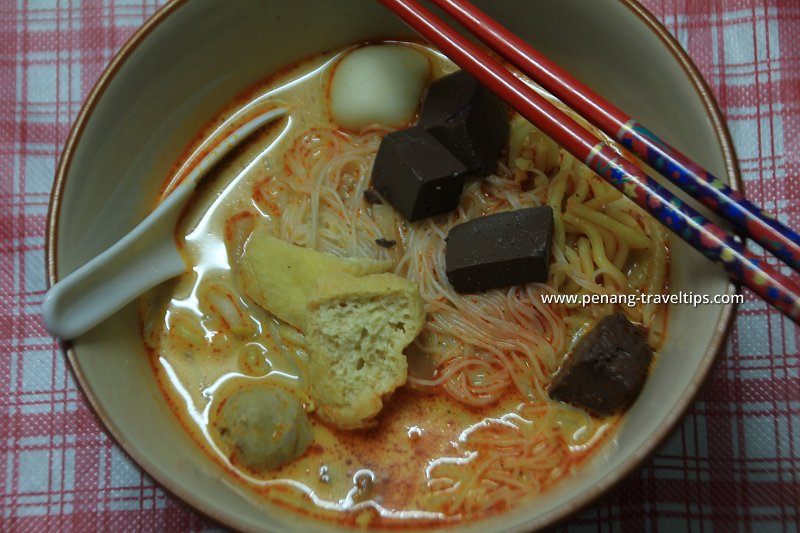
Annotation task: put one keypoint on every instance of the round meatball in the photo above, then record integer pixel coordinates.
(261, 427)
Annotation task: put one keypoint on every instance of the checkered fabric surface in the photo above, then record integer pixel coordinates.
(734, 463)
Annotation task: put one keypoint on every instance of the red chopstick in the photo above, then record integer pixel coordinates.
(775, 237)
(672, 212)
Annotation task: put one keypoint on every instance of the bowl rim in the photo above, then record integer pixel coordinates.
(553, 517)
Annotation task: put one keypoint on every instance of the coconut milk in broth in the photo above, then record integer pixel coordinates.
(206, 338)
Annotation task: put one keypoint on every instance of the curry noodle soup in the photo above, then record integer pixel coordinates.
(472, 429)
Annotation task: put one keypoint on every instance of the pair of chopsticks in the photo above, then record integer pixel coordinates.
(671, 211)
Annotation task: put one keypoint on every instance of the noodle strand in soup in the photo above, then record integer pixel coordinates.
(480, 432)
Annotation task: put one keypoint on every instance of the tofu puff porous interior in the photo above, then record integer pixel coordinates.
(473, 430)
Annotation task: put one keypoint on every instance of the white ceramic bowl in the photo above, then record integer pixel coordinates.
(194, 56)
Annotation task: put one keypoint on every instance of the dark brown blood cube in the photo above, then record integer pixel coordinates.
(500, 250)
(468, 119)
(417, 175)
(606, 370)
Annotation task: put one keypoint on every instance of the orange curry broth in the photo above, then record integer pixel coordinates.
(414, 429)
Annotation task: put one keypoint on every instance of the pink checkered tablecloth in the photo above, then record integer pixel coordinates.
(734, 463)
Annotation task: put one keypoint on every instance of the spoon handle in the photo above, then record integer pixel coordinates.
(146, 256)
(142, 259)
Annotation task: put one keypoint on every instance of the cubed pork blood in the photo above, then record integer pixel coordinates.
(417, 175)
(468, 119)
(606, 370)
(500, 250)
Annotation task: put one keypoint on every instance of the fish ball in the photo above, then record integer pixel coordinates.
(380, 84)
